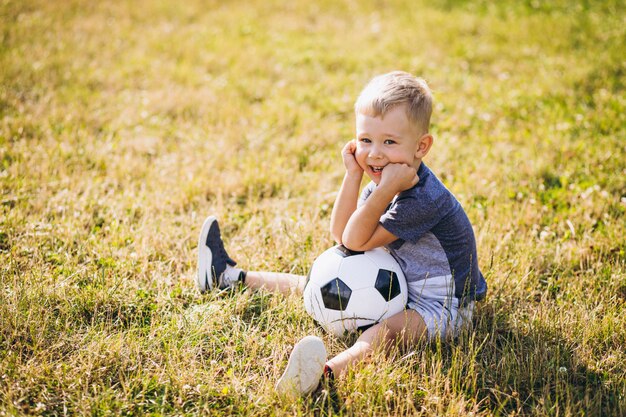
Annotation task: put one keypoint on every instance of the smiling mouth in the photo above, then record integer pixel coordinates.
(376, 170)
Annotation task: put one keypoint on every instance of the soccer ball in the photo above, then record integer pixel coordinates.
(349, 290)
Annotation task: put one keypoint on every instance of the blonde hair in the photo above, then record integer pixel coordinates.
(386, 91)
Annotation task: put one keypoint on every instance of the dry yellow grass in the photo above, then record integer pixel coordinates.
(123, 124)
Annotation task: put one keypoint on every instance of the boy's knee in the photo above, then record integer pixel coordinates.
(407, 325)
(385, 331)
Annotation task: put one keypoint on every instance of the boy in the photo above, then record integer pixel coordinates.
(404, 208)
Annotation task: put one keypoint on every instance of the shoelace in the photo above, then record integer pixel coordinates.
(227, 259)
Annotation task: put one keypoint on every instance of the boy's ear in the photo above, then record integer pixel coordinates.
(423, 145)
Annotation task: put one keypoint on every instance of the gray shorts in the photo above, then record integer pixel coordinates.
(434, 300)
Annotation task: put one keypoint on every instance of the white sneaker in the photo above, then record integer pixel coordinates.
(305, 367)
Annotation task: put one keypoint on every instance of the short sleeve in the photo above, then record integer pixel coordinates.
(367, 191)
(410, 217)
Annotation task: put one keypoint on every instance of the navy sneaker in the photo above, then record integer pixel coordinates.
(215, 267)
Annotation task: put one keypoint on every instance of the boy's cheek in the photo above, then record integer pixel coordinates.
(360, 153)
(361, 160)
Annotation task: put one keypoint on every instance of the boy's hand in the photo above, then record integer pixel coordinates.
(398, 177)
(349, 160)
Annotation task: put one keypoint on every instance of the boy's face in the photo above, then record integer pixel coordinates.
(381, 141)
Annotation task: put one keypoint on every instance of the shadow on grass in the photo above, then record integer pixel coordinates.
(505, 367)
(537, 370)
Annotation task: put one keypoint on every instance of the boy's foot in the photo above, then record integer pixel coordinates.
(305, 367)
(215, 267)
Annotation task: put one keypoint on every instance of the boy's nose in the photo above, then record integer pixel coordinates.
(375, 153)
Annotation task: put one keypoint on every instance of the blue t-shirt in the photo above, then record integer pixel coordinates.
(435, 237)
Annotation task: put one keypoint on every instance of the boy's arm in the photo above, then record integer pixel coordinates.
(345, 205)
(363, 230)
(348, 195)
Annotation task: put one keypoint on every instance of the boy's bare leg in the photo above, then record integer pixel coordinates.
(216, 268)
(405, 328)
(278, 282)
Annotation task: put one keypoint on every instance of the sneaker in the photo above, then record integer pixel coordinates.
(215, 267)
(305, 367)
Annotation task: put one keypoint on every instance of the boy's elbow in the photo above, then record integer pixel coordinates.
(353, 248)
(352, 245)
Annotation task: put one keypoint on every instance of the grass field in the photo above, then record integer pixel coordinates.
(124, 123)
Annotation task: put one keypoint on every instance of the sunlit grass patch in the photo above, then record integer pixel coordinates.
(124, 124)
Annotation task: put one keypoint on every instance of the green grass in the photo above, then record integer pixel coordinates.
(123, 124)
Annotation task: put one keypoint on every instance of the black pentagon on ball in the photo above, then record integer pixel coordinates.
(336, 295)
(345, 252)
(387, 284)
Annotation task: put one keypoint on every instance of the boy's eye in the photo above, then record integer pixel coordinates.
(365, 140)
(389, 142)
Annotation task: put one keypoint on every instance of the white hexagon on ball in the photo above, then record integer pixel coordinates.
(349, 290)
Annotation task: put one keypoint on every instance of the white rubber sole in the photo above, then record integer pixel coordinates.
(204, 277)
(305, 367)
